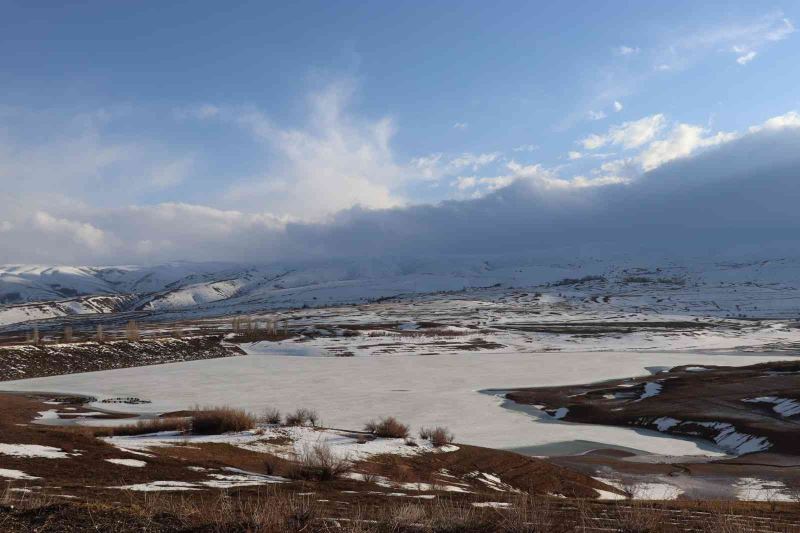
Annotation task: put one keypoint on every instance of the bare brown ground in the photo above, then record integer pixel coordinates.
(76, 494)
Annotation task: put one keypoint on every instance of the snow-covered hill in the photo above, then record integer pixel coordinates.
(760, 288)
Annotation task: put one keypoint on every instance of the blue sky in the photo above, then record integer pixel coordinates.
(275, 114)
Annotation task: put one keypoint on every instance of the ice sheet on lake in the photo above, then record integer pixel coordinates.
(420, 391)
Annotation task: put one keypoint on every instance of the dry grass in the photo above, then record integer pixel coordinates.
(144, 427)
(274, 510)
(388, 427)
(303, 417)
(439, 436)
(218, 420)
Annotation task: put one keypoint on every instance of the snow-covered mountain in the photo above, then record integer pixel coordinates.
(768, 287)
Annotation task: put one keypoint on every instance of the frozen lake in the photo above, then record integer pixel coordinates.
(419, 390)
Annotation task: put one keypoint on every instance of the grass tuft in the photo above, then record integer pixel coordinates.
(154, 425)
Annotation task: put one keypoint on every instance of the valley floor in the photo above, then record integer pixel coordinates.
(435, 360)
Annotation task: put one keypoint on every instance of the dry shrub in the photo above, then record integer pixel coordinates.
(154, 425)
(303, 417)
(319, 463)
(272, 416)
(725, 517)
(447, 516)
(218, 420)
(369, 477)
(23, 500)
(439, 436)
(529, 515)
(270, 512)
(388, 427)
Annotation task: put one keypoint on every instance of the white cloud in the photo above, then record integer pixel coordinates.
(746, 58)
(496, 182)
(787, 120)
(745, 39)
(337, 160)
(81, 233)
(474, 161)
(628, 134)
(596, 115)
(171, 173)
(526, 148)
(617, 106)
(460, 125)
(574, 155)
(465, 182)
(627, 50)
(436, 166)
(74, 155)
(722, 183)
(203, 111)
(683, 140)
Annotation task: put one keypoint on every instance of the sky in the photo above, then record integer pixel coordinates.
(153, 131)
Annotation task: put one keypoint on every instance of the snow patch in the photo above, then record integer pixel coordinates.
(33, 451)
(655, 491)
(607, 495)
(492, 481)
(785, 407)
(665, 422)
(493, 505)
(754, 489)
(651, 389)
(160, 486)
(15, 474)
(133, 463)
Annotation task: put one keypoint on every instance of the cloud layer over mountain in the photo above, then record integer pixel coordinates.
(733, 196)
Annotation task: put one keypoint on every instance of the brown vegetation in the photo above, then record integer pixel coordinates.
(218, 420)
(319, 463)
(439, 436)
(276, 511)
(272, 416)
(144, 427)
(303, 417)
(388, 427)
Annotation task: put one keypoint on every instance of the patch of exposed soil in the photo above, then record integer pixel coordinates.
(741, 409)
(76, 492)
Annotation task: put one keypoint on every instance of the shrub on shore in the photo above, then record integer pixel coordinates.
(388, 427)
(154, 425)
(319, 463)
(303, 417)
(272, 416)
(218, 420)
(439, 436)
